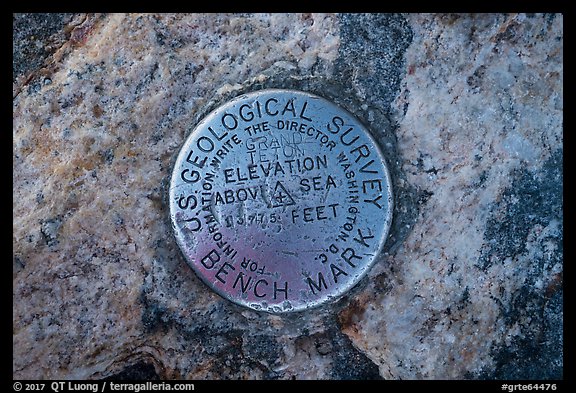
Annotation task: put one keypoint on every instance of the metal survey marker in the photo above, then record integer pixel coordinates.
(280, 200)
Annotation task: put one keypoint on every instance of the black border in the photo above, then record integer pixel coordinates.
(437, 6)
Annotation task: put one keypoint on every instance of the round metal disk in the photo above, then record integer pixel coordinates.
(280, 200)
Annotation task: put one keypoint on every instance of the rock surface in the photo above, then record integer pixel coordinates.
(468, 110)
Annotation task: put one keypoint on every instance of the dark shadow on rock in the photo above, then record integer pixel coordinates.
(532, 199)
(138, 372)
(34, 38)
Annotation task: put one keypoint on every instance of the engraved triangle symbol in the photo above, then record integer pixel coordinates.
(281, 197)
